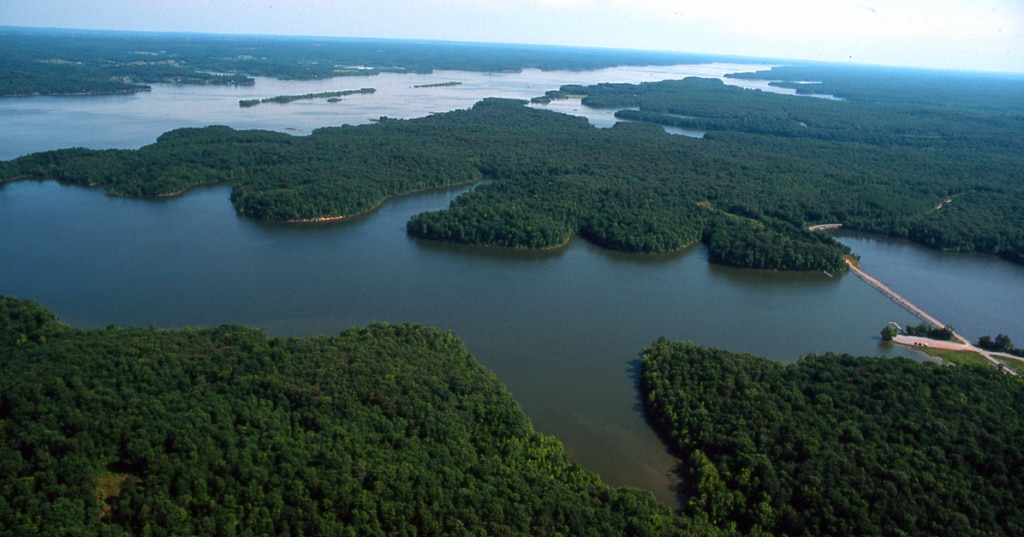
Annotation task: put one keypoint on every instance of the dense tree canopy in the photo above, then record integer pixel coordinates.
(381, 430)
(770, 166)
(744, 243)
(837, 445)
(932, 157)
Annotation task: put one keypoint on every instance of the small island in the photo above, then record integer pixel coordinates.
(438, 85)
(331, 96)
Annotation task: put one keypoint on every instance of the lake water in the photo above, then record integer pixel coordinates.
(562, 329)
(978, 295)
(128, 121)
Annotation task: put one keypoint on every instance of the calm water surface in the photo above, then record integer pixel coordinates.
(128, 121)
(562, 329)
(978, 295)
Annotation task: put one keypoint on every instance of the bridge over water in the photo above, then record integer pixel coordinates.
(925, 316)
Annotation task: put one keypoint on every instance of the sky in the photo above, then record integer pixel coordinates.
(978, 35)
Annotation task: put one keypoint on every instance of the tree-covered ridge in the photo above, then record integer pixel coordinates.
(381, 430)
(990, 124)
(333, 172)
(743, 243)
(837, 445)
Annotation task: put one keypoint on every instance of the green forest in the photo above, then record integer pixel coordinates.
(633, 188)
(937, 158)
(397, 430)
(840, 445)
(379, 430)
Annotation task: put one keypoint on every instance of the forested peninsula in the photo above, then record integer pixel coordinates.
(937, 158)
(769, 166)
(838, 445)
(380, 430)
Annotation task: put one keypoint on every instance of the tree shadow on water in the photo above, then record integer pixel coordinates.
(678, 472)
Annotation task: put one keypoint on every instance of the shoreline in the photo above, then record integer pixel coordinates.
(78, 94)
(921, 343)
(824, 227)
(319, 219)
(339, 217)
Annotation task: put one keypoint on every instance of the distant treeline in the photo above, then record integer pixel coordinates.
(837, 445)
(70, 62)
(283, 99)
(39, 61)
(899, 86)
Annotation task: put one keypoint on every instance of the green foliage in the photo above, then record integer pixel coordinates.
(333, 172)
(837, 445)
(1002, 343)
(26, 322)
(381, 430)
(932, 157)
(946, 333)
(744, 243)
(779, 162)
(889, 333)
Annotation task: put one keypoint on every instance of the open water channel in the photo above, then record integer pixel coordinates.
(561, 329)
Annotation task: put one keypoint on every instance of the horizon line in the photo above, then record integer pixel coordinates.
(662, 52)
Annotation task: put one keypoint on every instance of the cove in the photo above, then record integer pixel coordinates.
(562, 329)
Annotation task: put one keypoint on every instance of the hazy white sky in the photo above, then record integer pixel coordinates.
(947, 34)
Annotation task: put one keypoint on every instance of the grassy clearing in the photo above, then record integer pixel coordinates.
(970, 358)
(1015, 365)
(108, 485)
(956, 357)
